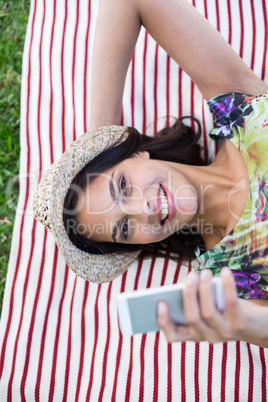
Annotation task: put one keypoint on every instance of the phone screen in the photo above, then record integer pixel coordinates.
(143, 310)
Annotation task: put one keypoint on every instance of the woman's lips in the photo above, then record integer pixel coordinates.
(171, 205)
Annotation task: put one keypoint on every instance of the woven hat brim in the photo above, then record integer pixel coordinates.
(49, 201)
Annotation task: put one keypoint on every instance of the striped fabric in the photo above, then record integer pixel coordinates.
(59, 335)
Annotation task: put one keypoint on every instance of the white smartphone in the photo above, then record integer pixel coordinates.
(137, 310)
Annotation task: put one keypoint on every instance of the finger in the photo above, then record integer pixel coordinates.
(233, 311)
(190, 298)
(208, 308)
(192, 308)
(230, 292)
(173, 332)
(201, 312)
(165, 323)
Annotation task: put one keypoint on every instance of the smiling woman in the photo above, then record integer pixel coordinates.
(117, 203)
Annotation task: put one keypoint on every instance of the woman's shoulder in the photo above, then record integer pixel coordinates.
(231, 110)
(228, 107)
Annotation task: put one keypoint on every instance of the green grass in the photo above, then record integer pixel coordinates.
(13, 22)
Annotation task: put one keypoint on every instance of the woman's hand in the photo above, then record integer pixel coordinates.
(242, 320)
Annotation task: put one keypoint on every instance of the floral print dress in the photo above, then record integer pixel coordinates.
(243, 119)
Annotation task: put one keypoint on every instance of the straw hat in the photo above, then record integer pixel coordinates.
(49, 200)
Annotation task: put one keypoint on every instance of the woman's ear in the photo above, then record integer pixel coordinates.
(144, 154)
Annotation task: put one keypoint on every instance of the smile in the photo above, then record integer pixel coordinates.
(165, 206)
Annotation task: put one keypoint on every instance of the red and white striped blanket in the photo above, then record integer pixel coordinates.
(59, 335)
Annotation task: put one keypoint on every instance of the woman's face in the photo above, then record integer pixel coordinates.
(138, 201)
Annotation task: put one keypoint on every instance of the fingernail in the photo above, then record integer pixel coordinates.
(160, 308)
(205, 275)
(226, 272)
(191, 278)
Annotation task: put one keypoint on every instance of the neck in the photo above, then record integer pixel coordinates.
(213, 189)
(222, 193)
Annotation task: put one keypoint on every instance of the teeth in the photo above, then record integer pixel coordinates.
(165, 206)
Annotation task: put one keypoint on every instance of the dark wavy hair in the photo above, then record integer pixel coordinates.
(178, 143)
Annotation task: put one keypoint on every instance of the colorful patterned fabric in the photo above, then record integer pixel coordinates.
(243, 119)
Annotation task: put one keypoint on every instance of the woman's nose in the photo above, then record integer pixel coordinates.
(139, 208)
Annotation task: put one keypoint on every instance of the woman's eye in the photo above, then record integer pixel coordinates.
(123, 186)
(125, 230)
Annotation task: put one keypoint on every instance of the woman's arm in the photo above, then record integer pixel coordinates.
(182, 31)
(242, 320)
(198, 48)
(117, 30)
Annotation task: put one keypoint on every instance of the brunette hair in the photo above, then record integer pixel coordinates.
(178, 143)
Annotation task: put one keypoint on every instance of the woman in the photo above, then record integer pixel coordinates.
(138, 209)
